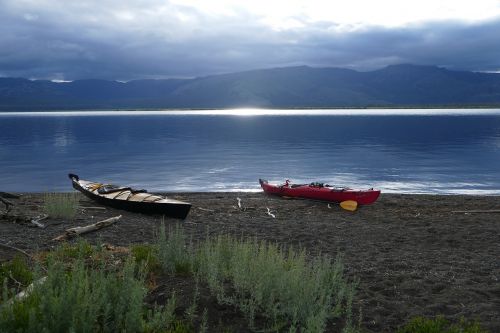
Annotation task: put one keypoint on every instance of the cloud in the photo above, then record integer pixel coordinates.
(121, 40)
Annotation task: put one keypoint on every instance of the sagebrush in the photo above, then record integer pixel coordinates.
(264, 279)
(61, 205)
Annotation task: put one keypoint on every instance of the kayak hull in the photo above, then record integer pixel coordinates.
(322, 193)
(162, 206)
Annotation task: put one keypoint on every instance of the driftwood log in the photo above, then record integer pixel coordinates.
(205, 209)
(476, 211)
(96, 208)
(270, 213)
(36, 221)
(9, 195)
(7, 204)
(72, 232)
(26, 292)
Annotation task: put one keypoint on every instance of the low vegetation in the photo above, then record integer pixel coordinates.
(60, 205)
(440, 325)
(86, 288)
(79, 298)
(263, 279)
(15, 275)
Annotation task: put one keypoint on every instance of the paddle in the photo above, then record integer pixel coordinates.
(349, 205)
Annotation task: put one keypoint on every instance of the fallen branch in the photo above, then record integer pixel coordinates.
(100, 208)
(270, 214)
(72, 232)
(477, 211)
(36, 221)
(205, 209)
(5, 246)
(7, 204)
(9, 195)
(26, 292)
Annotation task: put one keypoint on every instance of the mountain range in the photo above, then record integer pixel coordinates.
(288, 87)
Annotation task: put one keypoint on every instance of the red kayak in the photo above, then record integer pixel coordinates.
(319, 191)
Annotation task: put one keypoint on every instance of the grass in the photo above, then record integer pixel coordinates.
(60, 205)
(262, 279)
(440, 325)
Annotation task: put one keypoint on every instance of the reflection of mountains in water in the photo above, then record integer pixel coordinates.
(400, 85)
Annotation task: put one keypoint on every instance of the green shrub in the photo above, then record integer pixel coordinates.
(440, 325)
(180, 327)
(80, 299)
(284, 287)
(147, 256)
(261, 278)
(173, 253)
(82, 249)
(15, 273)
(61, 205)
(16, 269)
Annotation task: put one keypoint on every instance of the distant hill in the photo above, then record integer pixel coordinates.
(289, 87)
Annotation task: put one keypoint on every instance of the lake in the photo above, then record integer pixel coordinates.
(403, 151)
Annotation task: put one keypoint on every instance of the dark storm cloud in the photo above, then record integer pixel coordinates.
(113, 41)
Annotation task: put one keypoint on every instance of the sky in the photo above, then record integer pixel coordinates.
(126, 40)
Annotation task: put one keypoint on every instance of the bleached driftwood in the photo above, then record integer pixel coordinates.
(476, 211)
(241, 207)
(36, 221)
(26, 292)
(205, 209)
(72, 232)
(97, 208)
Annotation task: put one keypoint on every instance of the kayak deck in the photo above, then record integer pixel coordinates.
(129, 199)
(318, 191)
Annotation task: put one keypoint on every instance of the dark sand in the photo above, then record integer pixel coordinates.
(411, 254)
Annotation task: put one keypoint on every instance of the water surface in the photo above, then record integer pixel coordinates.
(407, 151)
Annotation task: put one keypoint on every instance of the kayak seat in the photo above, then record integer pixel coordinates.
(106, 189)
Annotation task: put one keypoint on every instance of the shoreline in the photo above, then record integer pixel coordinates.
(425, 111)
(411, 254)
(388, 107)
(259, 191)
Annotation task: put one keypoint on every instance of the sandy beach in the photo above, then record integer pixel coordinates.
(413, 255)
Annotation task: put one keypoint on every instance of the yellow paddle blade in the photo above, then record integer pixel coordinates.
(350, 205)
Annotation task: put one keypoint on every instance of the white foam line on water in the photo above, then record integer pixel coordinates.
(386, 188)
(261, 112)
